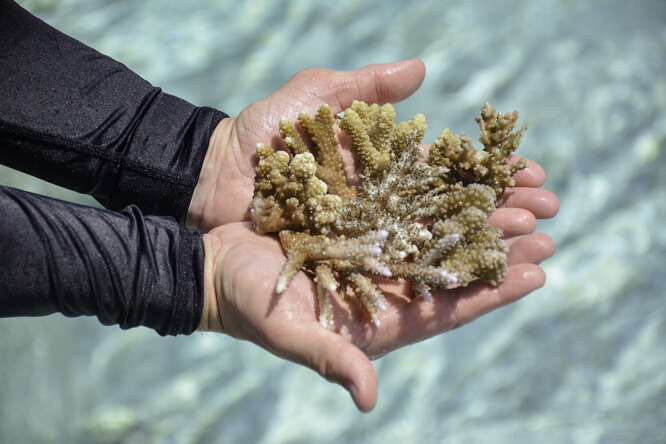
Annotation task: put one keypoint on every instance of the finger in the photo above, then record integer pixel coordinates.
(380, 83)
(468, 303)
(531, 176)
(532, 249)
(336, 359)
(513, 221)
(452, 308)
(543, 204)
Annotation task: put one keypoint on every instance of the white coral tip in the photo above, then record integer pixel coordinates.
(377, 267)
(423, 291)
(382, 234)
(384, 271)
(376, 321)
(375, 251)
(325, 323)
(281, 285)
(381, 305)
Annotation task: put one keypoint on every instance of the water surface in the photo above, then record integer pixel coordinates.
(582, 360)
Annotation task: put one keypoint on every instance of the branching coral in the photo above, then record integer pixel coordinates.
(419, 219)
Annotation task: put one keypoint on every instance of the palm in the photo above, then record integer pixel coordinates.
(250, 263)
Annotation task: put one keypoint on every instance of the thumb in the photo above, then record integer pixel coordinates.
(337, 360)
(379, 83)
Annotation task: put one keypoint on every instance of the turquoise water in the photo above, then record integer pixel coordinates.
(582, 360)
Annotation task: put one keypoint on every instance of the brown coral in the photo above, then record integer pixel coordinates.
(421, 220)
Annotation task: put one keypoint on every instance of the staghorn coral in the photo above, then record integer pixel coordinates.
(419, 219)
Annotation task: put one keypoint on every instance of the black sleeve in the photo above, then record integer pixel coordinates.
(79, 119)
(124, 268)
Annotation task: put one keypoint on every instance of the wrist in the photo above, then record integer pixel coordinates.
(204, 191)
(210, 317)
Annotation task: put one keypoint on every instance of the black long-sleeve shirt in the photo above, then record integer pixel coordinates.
(79, 119)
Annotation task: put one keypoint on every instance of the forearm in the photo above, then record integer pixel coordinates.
(77, 118)
(124, 268)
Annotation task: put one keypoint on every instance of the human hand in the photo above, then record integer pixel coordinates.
(242, 269)
(226, 182)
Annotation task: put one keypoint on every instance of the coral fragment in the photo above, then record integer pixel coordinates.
(417, 219)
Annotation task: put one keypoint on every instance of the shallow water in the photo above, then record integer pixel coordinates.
(582, 360)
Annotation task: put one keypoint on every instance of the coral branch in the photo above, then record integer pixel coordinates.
(329, 163)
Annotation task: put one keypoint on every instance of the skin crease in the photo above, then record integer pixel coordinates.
(241, 267)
